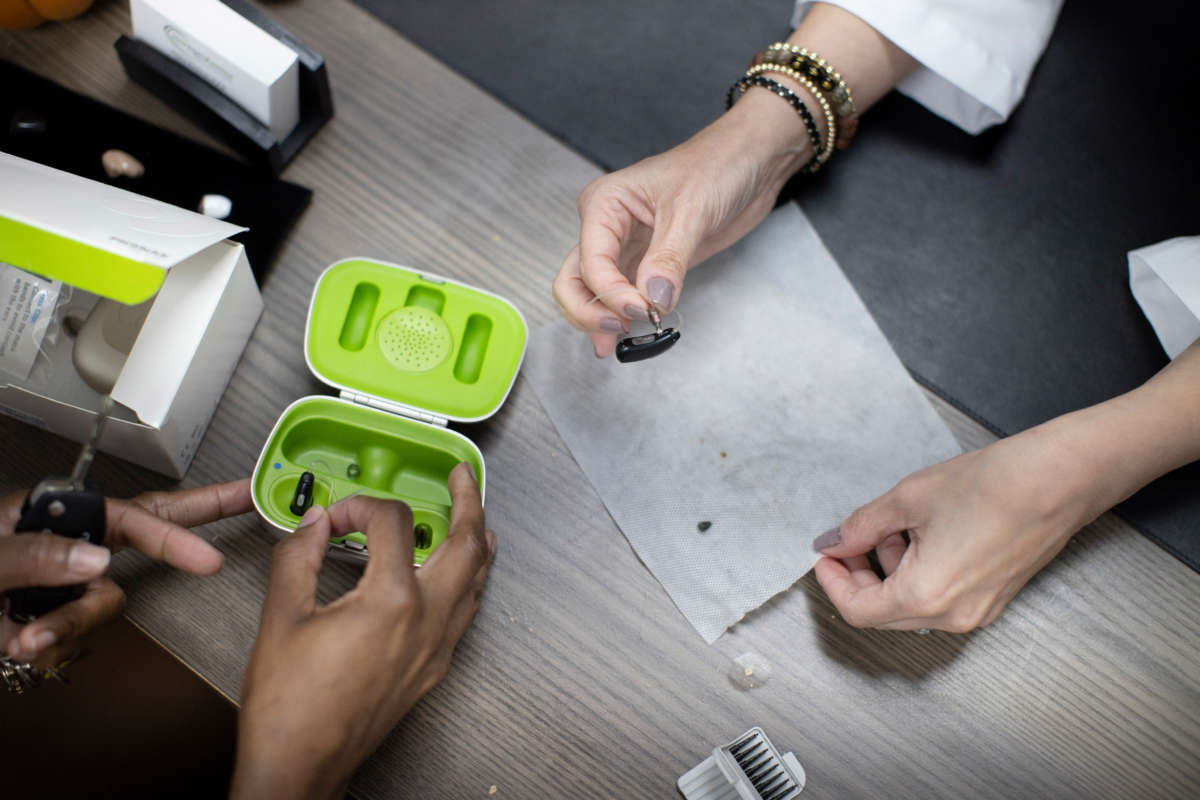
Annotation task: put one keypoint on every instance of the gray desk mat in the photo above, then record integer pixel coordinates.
(994, 264)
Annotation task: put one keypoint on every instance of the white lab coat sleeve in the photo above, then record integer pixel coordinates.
(1165, 279)
(975, 56)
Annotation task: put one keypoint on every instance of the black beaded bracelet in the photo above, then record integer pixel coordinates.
(743, 84)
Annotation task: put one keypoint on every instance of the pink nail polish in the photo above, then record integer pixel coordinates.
(661, 292)
(830, 538)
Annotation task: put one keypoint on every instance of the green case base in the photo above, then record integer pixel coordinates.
(388, 456)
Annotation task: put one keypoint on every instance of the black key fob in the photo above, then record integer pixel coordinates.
(639, 348)
(67, 512)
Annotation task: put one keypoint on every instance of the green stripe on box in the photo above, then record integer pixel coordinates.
(81, 265)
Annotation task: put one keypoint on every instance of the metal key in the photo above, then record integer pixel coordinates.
(62, 506)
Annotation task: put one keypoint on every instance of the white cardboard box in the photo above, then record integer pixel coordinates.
(251, 67)
(104, 241)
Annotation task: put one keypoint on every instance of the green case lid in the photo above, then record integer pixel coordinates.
(414, 340)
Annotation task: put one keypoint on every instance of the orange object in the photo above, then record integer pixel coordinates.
(22, 14)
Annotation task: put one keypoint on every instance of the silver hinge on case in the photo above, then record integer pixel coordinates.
(394, 408)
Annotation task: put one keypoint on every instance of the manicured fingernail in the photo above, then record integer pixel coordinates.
(44, 640)
(610, 324)
(87, 559)
(634, 312)
(312, 515)
(661, 292)
(41, 642)
(830, 538)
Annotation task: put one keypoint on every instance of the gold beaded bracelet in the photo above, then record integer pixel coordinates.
(831, 126)
(824, 75)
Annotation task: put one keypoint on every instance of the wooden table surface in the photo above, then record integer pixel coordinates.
(579, 678)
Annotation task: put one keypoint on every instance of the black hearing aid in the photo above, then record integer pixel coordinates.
(639, 348)
(303, 497)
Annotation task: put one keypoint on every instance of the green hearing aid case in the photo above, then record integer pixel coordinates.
(409, 353)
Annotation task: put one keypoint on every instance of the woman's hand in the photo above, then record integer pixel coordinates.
(643, 227)
(154, 523)
(982, 524)
(326, 683)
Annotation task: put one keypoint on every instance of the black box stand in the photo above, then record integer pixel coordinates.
(208, 107)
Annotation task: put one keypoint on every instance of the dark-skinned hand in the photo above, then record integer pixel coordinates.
(325, 684)
(155, 523)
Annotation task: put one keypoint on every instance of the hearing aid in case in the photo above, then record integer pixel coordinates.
(303, 498)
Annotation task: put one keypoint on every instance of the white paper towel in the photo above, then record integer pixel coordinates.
(781, 410)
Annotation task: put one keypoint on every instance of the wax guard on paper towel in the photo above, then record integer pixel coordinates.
(781, 411)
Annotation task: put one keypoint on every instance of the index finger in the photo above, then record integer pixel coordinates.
(452, 567)
(388, 526)
(576, 301)
(605, 227)
(128, 524)
(201, 505)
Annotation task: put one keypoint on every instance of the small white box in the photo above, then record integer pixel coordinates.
(248, 65)
(107, 242)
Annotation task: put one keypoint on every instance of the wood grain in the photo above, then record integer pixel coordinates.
(579, 678)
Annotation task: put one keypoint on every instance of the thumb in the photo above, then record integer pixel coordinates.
(295, 565)
(671, 251)
(865, 528)
(46, 559)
